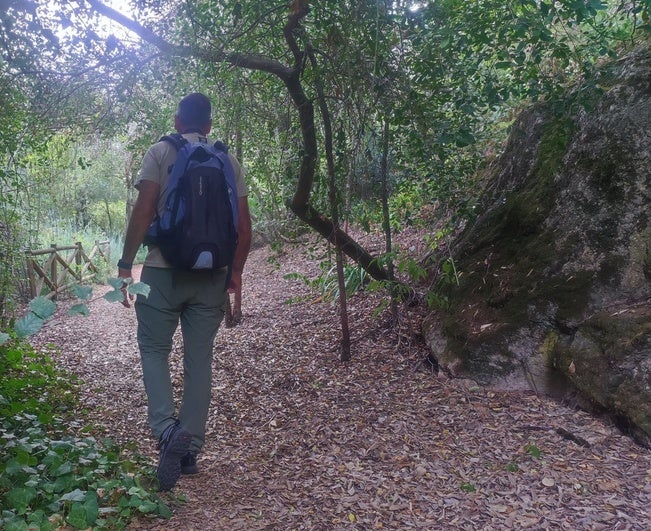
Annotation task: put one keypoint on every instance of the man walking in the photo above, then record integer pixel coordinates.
(195, 299)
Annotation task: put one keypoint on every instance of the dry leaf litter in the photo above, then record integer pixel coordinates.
(297, 439)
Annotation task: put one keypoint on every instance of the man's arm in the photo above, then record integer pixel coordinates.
(241, 254)
(141, 217)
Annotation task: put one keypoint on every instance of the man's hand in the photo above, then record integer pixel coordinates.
(126, 274)
(235, 287)
(241, 253)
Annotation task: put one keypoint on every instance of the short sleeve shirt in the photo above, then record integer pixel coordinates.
(155, 167)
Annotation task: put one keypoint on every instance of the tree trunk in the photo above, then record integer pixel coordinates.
(334, 211)
(386, 219)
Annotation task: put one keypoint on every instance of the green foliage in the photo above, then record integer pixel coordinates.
(326, 285)
(78, 187)
(15, 118)
(518, 464)
(50, 478)
(512, 466)
(533, 450)
(447, 276)
(445, 76)
(41, 308)
(468, 487)
(30, 385)
(116, 295)
(411, 267)
(59, 191)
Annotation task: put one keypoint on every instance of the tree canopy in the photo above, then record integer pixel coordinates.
(439, 79)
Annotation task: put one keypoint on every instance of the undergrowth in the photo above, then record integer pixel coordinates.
(326, 285)
(53, 474)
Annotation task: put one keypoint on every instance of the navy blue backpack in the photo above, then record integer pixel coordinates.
(197, 229)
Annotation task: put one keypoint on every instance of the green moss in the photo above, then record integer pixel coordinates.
(517, 224)
(616, 335)
(570, 294)
(534, 202)
(548, 348)
(599, 345)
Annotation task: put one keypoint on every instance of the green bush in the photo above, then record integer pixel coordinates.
(49, 477)
(326, 285)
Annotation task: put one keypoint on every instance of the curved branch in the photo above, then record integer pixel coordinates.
(291, 77)
(300, 9)
(253, 62)
(144, 33)
(336, 236)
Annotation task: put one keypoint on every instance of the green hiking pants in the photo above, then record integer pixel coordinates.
(196, 300)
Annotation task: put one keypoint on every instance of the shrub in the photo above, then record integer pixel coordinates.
(51, 478)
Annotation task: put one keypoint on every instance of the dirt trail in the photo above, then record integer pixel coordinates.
(298, 440)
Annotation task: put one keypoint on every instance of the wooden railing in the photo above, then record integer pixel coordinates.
(56, 269)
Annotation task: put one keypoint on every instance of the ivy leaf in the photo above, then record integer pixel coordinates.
(82, 292)
(79, 309)
(114, 296)
(117, 283)
(139, 288)
(20, 498)
(28, 325)
(78, 517)
(147, 507)
(42, 307)
(163, 510)
(75, 496)
(4, 338)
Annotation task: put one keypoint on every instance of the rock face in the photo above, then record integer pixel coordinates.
(554, 286)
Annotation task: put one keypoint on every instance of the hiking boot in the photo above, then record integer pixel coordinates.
(189, 464)
(173, 445)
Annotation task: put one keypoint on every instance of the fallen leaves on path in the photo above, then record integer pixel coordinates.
(299, 440)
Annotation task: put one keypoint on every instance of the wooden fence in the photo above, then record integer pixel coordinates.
(56, 269)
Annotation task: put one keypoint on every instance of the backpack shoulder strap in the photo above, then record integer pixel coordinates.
(175, 139)
(220, 151)
(220, 146)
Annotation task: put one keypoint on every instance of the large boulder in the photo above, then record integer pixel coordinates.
(554, 283)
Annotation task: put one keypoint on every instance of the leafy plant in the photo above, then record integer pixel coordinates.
(468, 487)
(326, 284)
(512, 466)
(41, 308)
(413, 268)
(31, 385)
(533, 450)
(50, 478)
(436, 300)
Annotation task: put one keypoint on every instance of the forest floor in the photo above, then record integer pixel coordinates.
(300, 440)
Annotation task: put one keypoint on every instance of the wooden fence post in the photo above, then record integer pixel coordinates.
(53, 271)
(46, 274)
(31, 274)
(78, 260)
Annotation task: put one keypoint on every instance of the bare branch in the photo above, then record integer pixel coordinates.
(144, 33)
(252, 62)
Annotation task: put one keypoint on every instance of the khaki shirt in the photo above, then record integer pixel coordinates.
(155, 167)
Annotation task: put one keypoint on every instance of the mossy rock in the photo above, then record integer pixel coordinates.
(610, 359)
(554, 275)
